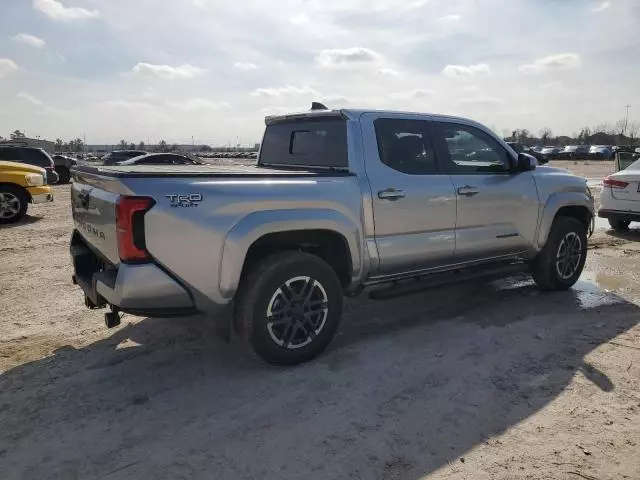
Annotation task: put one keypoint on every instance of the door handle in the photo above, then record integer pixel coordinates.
(468, 191)
(390, 194)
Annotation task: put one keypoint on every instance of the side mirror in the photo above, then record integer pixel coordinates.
(526, 163)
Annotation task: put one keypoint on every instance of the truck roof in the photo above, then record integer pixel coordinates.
(354, 114)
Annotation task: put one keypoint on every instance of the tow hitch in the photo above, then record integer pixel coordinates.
(112, 319)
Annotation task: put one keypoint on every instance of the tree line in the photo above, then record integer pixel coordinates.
(623, 132)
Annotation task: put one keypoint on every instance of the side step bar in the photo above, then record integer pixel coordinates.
(455, 277)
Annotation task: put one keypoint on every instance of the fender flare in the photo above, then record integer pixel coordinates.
(258, 224)
(554, 203)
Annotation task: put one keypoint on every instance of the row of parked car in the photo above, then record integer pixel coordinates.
(570, 152)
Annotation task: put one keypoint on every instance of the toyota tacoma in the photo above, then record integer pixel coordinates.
(339, 201)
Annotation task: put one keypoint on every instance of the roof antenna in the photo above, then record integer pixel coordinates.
(318, 106)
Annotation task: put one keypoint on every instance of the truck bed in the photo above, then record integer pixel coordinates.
(128, 171)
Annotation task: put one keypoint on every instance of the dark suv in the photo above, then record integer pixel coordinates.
(32, 156)
(118, 156)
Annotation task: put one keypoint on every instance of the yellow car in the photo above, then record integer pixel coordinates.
(21, 184)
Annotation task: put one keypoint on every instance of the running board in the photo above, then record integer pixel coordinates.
(455, 277)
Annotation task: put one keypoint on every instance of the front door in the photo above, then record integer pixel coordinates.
(497, 210)
(414, 203)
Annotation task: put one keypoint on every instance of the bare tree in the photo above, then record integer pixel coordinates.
(620, 127)
(633, 128)
(141, 145)
(545, 135)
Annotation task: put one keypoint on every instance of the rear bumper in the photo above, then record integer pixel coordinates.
(139, 289)
(625, 216)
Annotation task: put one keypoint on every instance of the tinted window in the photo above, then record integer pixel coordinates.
(34, 156)
(9, 154)
(470, 150)
(321, 143)
(404, 145)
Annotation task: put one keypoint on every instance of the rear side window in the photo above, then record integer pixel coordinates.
(404, 145)
(34, 156)
(9, 154)
(321, 143)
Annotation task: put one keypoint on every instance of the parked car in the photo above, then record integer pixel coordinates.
(573, 152)
(31, 156)
(20, 185)
(550, 153)
(63, 165)
(118, 156)
(620, 195)
(162, 159)
(600, 152)
(519, 148)
(279, 243)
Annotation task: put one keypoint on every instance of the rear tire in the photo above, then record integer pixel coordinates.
(13, 204)
(289, 308)
(619, 225)
(559, 264)
(64, 175)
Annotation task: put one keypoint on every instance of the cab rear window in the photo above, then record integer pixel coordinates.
(319, 143)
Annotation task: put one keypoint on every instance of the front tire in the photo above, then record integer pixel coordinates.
(559, 264)
(13, 204)
(619, 225)
(289, 308)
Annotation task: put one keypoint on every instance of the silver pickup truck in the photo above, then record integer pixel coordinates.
(339, 200)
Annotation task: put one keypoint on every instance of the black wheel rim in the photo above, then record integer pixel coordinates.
(297, 312)
(569, 255)
(9, 205)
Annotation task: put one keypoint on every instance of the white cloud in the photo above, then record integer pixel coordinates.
(29, 98)
(198, 103)
(7, 66)
(416, 93)
(57, 11)
(30, 40)
(246, 66)
(480, 100)
(284, 91)
(466, 70)
(340, 57)
(561, 61)
(450, 18)
(281, 110)
(185, 71)
(389, 72)
(602, 7)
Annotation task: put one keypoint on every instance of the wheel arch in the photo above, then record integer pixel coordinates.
(326, 233)
(568, 204)
(19, 187)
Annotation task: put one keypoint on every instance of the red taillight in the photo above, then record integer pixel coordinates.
(130, 227)
(610, 182)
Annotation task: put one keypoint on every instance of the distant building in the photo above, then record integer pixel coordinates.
(46, 145)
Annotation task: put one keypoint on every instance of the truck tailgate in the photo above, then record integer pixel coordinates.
(94, 216)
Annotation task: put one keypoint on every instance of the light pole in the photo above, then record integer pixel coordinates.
(626, 120)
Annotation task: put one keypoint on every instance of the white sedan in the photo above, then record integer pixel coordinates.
(620, 197)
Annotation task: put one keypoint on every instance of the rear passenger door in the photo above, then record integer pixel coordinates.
(414, 204)
(497, 210)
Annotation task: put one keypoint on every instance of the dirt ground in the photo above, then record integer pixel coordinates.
(490, 381)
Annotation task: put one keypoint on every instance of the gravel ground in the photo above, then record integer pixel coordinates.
(490, 381)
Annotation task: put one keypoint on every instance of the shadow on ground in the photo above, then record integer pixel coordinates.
(409, 385)
(632, 235)
(26, 220)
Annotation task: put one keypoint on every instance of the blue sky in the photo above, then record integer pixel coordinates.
(150, 70)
